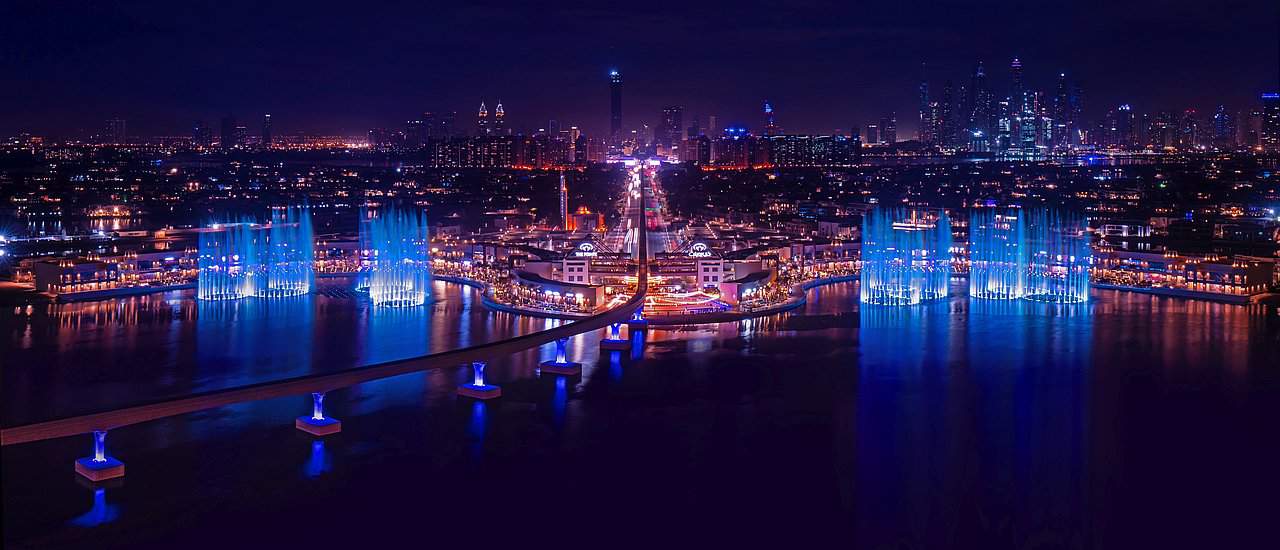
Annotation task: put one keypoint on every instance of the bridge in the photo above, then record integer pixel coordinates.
(101, 422)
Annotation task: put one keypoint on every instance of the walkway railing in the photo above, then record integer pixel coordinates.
(322, 383)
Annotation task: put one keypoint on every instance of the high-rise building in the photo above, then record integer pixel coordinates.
(873, 134)
(1018, 93)
(201, 135)
(615, 108)
(889, 129)
(227, 136)
(1224, 129)
(946, 133)
(1269, 137)
(1061, 113)
(266, 131)
(770, 124)
(115, 132)
(669, 130)
(981, 119)
(499, 122)
(564, 202)
(924, 131)
(482, 120)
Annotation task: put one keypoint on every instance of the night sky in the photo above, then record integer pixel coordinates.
(343, 67)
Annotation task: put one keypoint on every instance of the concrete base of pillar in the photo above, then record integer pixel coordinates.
(473, 391)
(99, 471)
(561, 368)
(615, 344)
(312, 426)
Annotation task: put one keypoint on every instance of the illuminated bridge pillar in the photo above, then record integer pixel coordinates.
(100, 466)
(561, 364)
(637, 321)
(318, 423)
(478, 389)
(614, 339)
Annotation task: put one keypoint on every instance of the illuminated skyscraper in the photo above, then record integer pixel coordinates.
(266, 131)
(482, 120)
(770, 124)
(668, 133)
(564, 203)
(615, 107)
(889, 129)
(1270, 134)
(499, 125)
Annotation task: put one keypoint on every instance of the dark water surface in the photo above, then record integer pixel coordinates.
(1133, 421)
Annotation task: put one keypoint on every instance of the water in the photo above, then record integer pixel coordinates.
(1129, 421)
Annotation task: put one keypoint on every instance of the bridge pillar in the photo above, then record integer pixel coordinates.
(478, 389)
(637, 321)
(318, 424)
(614, 339)
(100, 466)
(561, 365)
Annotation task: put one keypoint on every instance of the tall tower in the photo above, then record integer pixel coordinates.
(499, 125)
(770, 124)
(615, 107)
(482, 120)
(266, 131)
(1018, 94)
(564, 203)
(926, 118)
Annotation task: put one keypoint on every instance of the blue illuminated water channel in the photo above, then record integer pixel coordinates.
(1130, 421)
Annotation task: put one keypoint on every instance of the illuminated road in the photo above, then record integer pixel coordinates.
(623, 236)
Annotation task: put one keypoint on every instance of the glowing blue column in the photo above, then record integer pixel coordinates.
(906, 256)
(1060, 258)
(318, 424)
(100, 466)
(614, 340)
(478, 389)
(638, 322)
(998, 259)
(561, 364)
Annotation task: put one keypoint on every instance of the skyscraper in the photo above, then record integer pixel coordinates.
(564, 203)
(266, 131)
(482, 120)
(227, 136)
(1269, 137)
(499, 124)
(115, 132)
(923, 132)
(669, 130)
(615, 107)
(201, 134)
(980, 113)
(770, 124)
(889, 129)
(1018, 93)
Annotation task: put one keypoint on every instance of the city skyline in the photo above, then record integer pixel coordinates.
(843, 85)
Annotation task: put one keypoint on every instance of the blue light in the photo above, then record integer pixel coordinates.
(998, 257)
(401, 270)
(906, 256)
(1060, 257)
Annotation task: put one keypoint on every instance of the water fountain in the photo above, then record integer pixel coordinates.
(242, 259)
(998, 254)
(227, 262)
(287, 257)
(401, 273)
(1059, 258)
(906, 256)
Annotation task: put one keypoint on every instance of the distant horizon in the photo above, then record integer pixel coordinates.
(161, 66)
